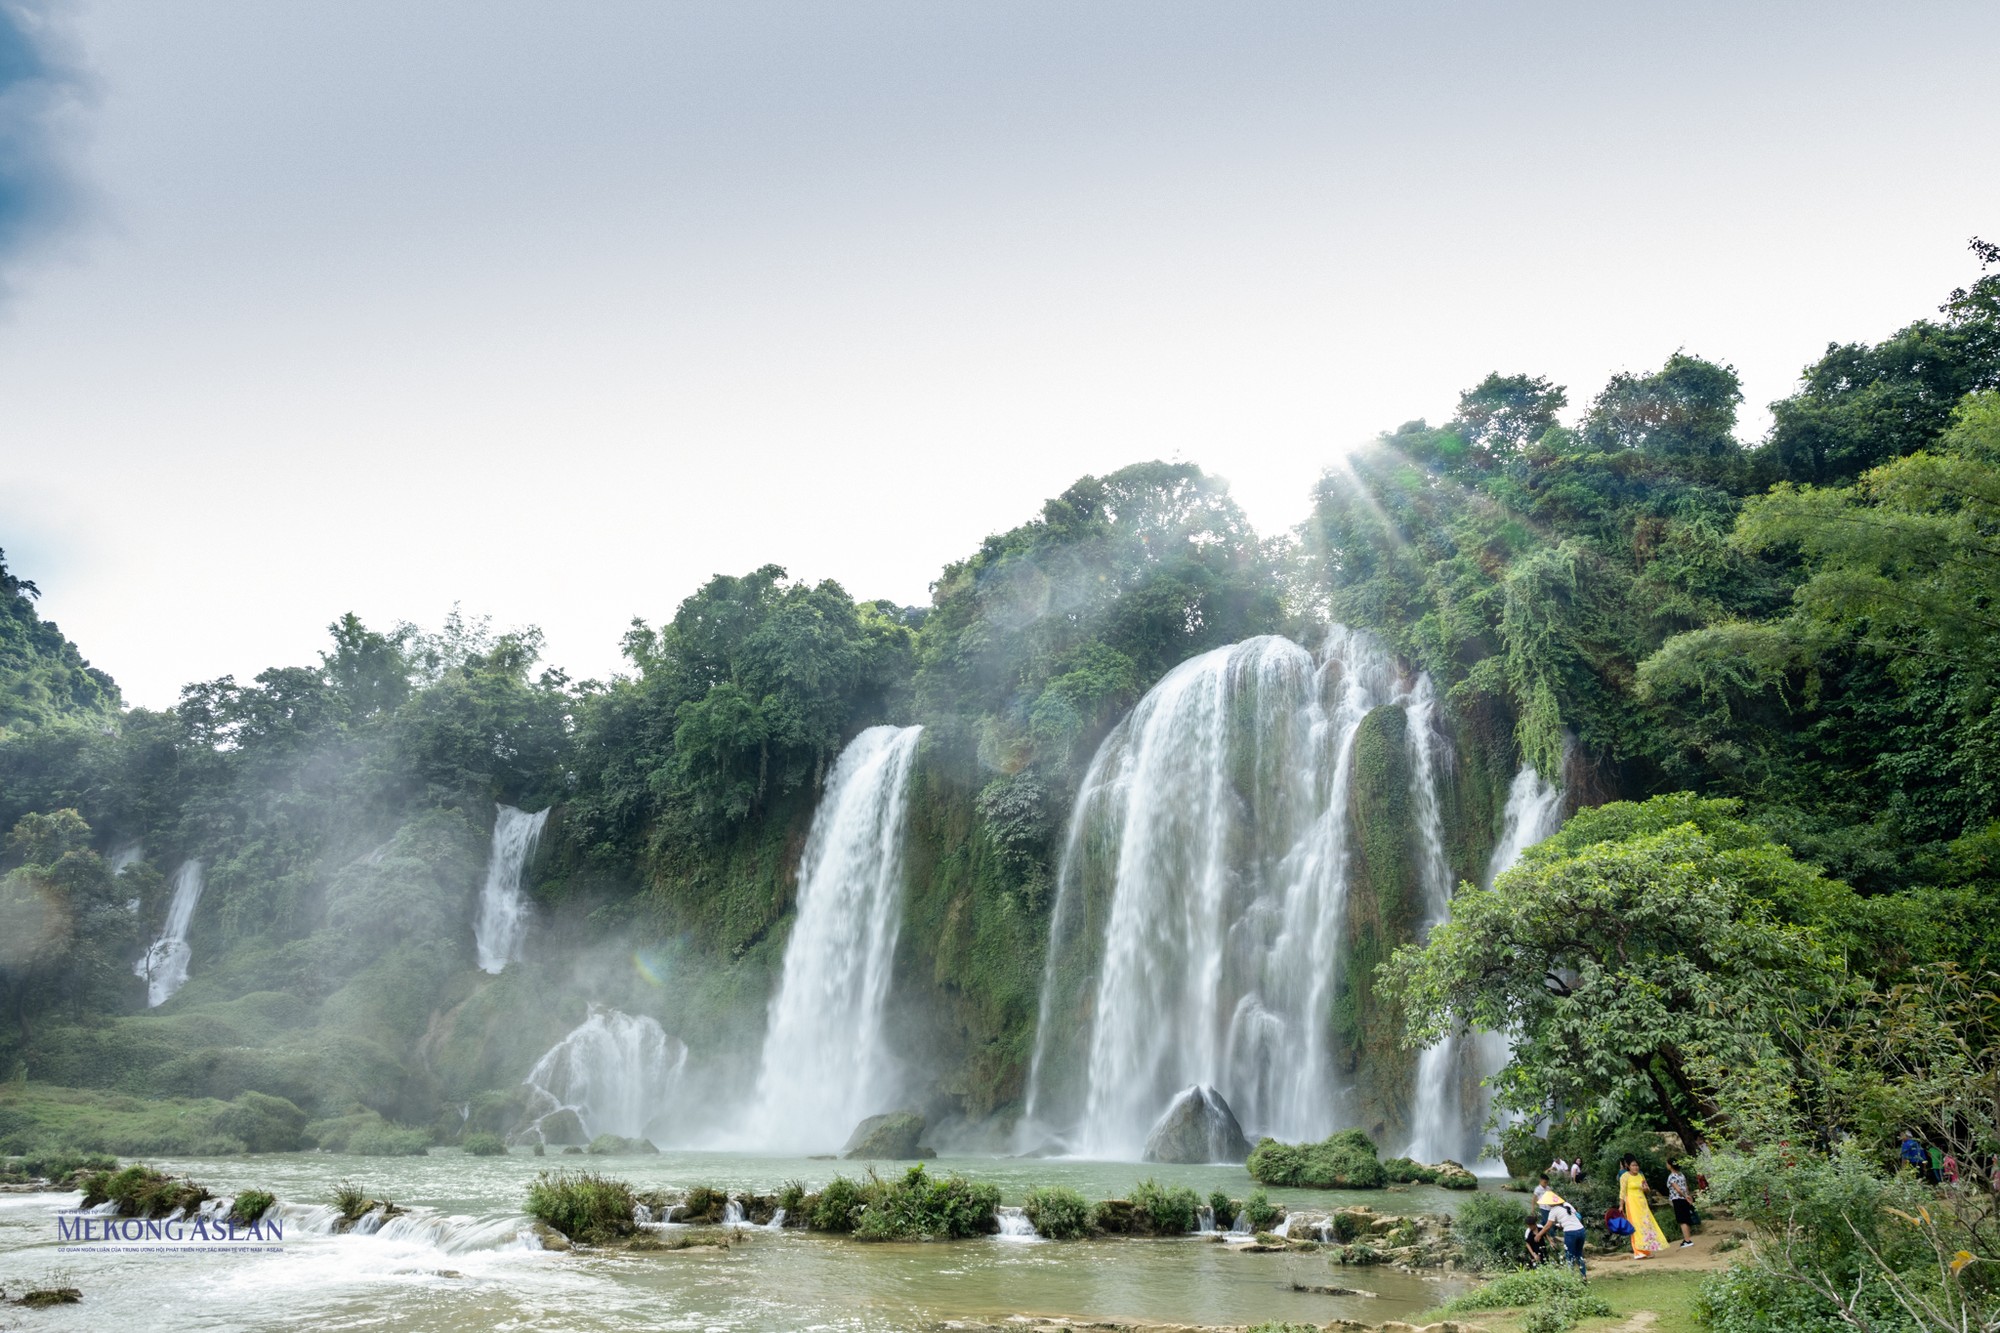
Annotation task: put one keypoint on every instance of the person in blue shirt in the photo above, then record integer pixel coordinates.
(1914, 1154)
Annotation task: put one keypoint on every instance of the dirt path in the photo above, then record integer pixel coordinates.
(1706, 1255)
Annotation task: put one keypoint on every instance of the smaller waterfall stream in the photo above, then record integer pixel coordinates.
(1534, 811)
(825, 1062)
(613, 1074)
(502, 924)
(165, 966)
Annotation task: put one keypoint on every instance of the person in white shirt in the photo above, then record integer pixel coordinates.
(1565, 1216)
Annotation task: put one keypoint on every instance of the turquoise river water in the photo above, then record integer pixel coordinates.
(460, 1262)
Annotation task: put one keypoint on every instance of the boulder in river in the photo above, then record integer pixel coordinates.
(561, 1127)
(890, 1137)
(1198, 1127)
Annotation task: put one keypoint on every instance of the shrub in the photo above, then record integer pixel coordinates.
(388, 1141)
(479, 1143)
(1167, 1211)
(1404, 1171)
(1752, 1299)
(251, 1205)
(57, 1167)
(1344, 1161)
(922, 1205)
(1489, 1229)
(1259, 1211)
(583, 1206)
(1554, 1296)
(611, 1145)
(264, 1123)
(140, 1191)
(834, 1207)
(1058, 1213)
(1641, 1143)
(704, 1203)
(1524, 1152)
(1224, 1209)
(792, 1198)
(1348, 1227)
(350, 1199)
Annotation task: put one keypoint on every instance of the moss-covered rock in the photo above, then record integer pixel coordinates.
(892, 1137)
(1343, 1161)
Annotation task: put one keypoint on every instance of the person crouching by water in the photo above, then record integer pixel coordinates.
(1532, 1238)
(1565, 1216)
(1647, 1239)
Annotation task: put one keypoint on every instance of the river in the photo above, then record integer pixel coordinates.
(468, 1271)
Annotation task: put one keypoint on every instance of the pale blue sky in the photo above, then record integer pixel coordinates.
(558, 309)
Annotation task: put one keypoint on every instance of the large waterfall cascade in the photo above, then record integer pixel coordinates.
(826, 1063)
(614, 1074)
(165, 965)
(1215, 821)
(502, 923)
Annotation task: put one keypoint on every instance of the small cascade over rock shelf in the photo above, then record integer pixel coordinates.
(825, 1062)
(165, 966)
(1201, 900)
(502, 923)
(613, 1074)
(1014, 1225)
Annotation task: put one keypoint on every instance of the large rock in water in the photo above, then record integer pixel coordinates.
(1198, 1127)
(890, 1137)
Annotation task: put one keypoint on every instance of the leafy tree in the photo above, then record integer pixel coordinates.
(1685, 412)
(1504, 414)
(60, 923)
(1862, 406)
(43, 677)
(1908, 557)
(1639, 940)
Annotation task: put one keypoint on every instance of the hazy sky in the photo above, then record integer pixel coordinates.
(558, 309)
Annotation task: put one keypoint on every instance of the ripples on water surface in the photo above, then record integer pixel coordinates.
(465, 1271)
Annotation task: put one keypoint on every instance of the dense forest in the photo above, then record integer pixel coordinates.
(1762, 672)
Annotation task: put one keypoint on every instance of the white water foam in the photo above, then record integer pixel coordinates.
(615, 1073)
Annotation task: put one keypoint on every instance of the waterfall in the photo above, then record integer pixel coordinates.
(1014, 1225)
(1211, 835)
(612, 1074)
(1438, 1127)
(503, 908)
(165, 966)
(1534, 811)
(825, 1062)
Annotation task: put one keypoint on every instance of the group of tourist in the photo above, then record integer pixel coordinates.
(1631, 1217)
(1939, 1167)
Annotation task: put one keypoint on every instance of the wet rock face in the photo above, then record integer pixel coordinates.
(563, 1127)
(891, 1137)
(1198, 1128)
